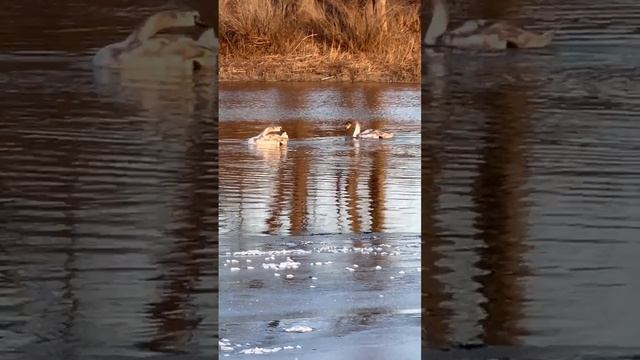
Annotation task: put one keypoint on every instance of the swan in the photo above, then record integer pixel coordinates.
(141, 45)
(178, 51)
(272, 135)
(353, 130)
(481, 34)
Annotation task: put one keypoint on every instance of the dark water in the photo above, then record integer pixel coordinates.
(339, 218)
(107, 195)
(530, 188)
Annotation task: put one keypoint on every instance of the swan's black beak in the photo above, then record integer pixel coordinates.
(199, 22)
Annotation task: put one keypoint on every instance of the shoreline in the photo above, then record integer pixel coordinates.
(291, 68)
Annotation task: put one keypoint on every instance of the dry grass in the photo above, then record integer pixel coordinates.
(319, 40)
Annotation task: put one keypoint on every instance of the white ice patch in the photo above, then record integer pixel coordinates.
(260, 351)
(225, 345)
(289, 264)
(271, 253)
(299, 329)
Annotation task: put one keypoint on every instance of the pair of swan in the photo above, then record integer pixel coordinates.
(145, 47)
(480, 34)
(276, 136)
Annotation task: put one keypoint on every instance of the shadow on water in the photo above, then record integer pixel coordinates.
(108, 195)
(526, 242)
(322, 233)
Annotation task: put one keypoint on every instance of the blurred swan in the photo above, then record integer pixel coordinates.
(177, 51)
(272, 135)
(353, 130)
(481, 34)
(145, 48)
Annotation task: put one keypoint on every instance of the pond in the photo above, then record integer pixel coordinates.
(107, 194)
(320, 241)
(530, 187)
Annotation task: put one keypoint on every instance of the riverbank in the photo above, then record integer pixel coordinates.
(318, 41)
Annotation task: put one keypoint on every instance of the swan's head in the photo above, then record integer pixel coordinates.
(353, 128)
(167, 19)
(175, 18)
(272, 129)
(352, 125)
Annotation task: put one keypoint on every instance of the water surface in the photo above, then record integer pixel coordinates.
(530, 170)
(107, 194)
(325, 233)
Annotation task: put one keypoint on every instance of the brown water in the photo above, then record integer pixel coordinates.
(344, 214)
(530, 186)
(107, 194)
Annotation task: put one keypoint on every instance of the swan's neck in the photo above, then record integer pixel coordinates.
(439, 22)
(356, 129)
(145, 31)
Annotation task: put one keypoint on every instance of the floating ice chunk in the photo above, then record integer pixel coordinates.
(378, 267)
(401, 272)
(312, 286)
(299, 329)
(314, 278)
(290, 276)
(271, 253)
(350, 269)
(355, 266)
(259, 350)
(391, 277)
(234, 269)
(250, 268)
(276, 274)
(225, 345)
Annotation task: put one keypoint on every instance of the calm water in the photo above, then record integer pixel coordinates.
(530, 187)
(324, 234)
(107, 195)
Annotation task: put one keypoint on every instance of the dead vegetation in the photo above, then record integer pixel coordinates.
(319, 40)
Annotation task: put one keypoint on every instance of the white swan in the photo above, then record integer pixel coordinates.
(480, 34)
(354, 130)
(178, 51)
(272, 135)
(144, 48)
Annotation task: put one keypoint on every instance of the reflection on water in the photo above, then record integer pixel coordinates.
(322, 233)
(107, 194)
(528, 184)
(322, 182)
